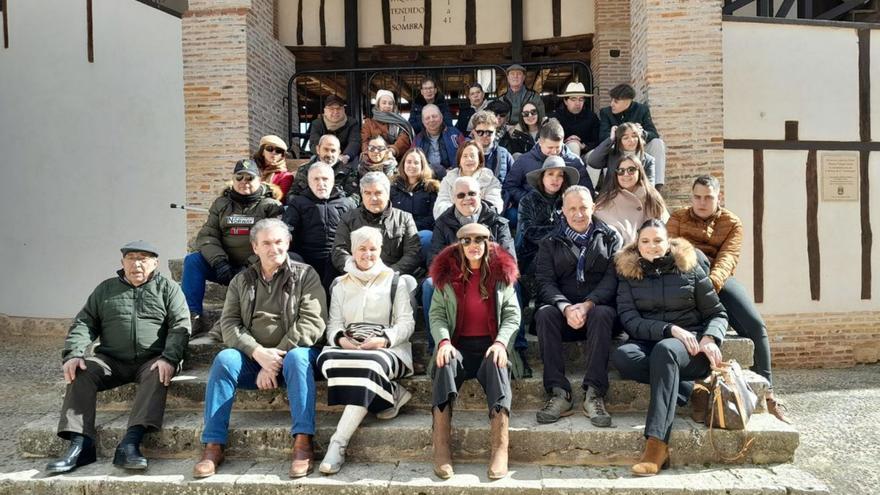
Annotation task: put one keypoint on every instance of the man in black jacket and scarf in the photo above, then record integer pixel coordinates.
(577, 288)
(313, 217)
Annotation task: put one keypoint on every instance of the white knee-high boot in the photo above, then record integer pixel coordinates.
(348, 423)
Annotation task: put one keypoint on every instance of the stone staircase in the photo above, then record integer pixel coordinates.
(570, 456)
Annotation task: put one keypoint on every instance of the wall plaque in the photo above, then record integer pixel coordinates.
(839, 172)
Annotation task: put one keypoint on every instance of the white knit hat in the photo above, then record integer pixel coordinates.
(384, 92)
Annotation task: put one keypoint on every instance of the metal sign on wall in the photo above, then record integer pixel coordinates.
(839, 172)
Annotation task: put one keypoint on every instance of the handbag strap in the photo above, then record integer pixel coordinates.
(746, 441)
(394, 281)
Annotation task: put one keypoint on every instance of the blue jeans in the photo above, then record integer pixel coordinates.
(428, 292)
(232, 370)
(747, 322)
(511, 214)
(425, 237)
(196, 271)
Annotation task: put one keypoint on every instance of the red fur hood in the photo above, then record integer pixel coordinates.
(446, 267)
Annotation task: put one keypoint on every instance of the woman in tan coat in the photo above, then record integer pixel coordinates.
(386, 122)
(630, 201)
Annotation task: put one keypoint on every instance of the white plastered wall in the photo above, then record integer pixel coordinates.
(774, 73)
(93, 153)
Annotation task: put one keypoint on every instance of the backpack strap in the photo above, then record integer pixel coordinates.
(394, 281)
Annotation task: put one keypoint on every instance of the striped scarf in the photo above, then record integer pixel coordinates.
(583, 242)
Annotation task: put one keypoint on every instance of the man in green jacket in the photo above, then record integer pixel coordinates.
(143, 323)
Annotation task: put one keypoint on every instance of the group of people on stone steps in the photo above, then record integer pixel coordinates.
(592, 267)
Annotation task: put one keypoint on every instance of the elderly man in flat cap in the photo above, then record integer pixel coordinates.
(143, 322)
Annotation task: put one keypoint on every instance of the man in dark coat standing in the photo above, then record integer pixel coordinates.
(577, 290)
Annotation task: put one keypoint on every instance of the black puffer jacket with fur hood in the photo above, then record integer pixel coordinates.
(674, 289)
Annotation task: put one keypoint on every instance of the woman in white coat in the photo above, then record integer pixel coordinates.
(471, 162)
(368, 350)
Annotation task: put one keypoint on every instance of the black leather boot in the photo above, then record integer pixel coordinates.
(128, 456)
(77, 455)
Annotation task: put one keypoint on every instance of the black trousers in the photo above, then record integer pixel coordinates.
(553, 331)
(670, 370)
(103, 373)
(470, 362)
(747, 322)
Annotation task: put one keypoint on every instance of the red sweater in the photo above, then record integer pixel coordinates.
(475, 316)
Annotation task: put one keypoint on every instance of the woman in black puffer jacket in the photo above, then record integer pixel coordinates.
(676, 324)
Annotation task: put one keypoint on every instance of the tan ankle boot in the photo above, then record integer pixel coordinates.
(211, 458)
(499, 440)
(442, 435)
(655, 458)
(303, 462)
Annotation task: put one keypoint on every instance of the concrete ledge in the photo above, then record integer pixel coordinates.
(187, 392)
(239, 477)
(23, 326)
(572, 441)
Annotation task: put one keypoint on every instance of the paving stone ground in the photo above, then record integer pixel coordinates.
(837, 412)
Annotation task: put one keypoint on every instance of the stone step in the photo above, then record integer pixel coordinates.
(202, 350)
(187, 392)
(239, 477)
(571, 441)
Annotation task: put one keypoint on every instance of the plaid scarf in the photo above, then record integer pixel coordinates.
(583, 242)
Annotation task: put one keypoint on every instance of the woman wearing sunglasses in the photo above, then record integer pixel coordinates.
(378, 157)
(471, 163)
(474, 317)
(524, 135)
(271, 157)
(627, 138)
(223, 243)
(629, 199)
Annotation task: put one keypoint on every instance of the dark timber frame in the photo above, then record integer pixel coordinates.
(791, 142)
(90, 39)
(4, 6)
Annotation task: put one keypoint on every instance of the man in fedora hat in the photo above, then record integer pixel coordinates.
(518, 95)
(580, 123)
(142, 321)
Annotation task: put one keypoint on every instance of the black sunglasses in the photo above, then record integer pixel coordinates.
(627, 171)
(244, 177)
(462, 195)
(467, 241)
(273, 149)
(483, 133)
(529, 113)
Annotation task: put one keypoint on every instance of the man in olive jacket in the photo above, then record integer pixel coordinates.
(273, 327)
(143, 323)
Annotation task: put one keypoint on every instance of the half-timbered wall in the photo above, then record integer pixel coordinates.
(794, 93)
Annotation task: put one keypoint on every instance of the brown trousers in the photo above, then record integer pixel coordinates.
(104, 373)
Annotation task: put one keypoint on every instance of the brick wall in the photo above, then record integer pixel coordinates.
(824, 340)
(676, 68)
(612, 21)
(235, 77)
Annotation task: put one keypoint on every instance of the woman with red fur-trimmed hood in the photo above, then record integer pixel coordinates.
(474, 317)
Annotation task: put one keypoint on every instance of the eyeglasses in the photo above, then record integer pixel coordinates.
(483, 132)
(376, 149)
(244, 178)
(529, 113)
(467, 241)
(469, 194)
(627, 171)
(273, 149)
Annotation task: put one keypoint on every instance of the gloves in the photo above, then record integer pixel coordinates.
(224, 272)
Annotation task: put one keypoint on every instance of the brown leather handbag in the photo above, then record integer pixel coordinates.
(728, 401)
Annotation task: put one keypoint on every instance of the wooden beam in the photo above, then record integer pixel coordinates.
(732, 7)
(4, 4)
(785, 8)
(840, 9)
(778, 144)
(557, 18)
(322, 23)
(470, 22)
(791, 130)
(426, 39)
(864, 175)
(516, 30)
(386, 21)
(299, 22)
(813, 257)
(90, 39)
(805, 9)
(758, 222)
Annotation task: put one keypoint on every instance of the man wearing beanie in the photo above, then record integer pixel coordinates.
(142, 321)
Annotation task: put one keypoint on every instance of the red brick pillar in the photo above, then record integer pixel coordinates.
(677, 70)
(612, 21)
(235, 76)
